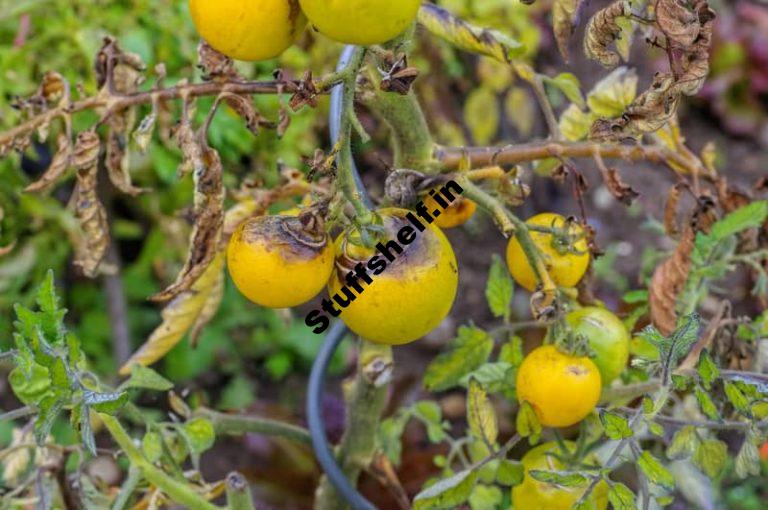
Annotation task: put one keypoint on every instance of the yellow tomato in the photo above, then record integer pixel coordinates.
(566, 264)
(607, 337)
(534, 495)
(248, 29)
(275, 263)
(362, 22)
(458, 213)
(409, 293)
(562, 389)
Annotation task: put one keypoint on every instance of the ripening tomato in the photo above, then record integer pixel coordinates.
(566, 262)
(535, 495)
(455, 215)
(607, 336)
(248, 29)
(562, 389)
(764, 451)
(275, 262)
(401, 296)
(362, 22)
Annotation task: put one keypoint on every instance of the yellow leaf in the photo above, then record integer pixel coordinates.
(611, 96)
(480, 414)
(575, 123)
(481, 113)
(519, 107)
(468, 37)
(191, 309)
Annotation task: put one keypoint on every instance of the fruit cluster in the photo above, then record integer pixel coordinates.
(263, 29)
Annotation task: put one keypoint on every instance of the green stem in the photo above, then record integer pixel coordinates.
(238, 492)
(344, 179)
(237, 424)
(411, 140)
(366, 399)
(126, 490)
(180, 492)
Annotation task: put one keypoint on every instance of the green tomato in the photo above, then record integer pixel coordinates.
(533, 494)
(608, 338)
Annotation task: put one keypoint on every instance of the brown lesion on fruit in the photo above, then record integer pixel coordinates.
(576, 370)
(285, 234)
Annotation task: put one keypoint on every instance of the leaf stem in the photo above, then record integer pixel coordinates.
(236, 424)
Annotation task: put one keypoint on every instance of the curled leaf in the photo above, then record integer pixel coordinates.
(564, 16)
(468, 37)
(90, 250)
(59, 165)
(603, 30)
(209, 221)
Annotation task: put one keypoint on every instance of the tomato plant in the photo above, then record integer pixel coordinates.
(227, 173)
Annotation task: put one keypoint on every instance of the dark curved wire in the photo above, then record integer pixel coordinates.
(337, 100)
(319, 368)
(317, 425)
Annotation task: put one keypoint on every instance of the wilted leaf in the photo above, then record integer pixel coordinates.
(748, 459)
(146, 378)
(481, 415)
(468, 351)
(602, 30)
(207, 230)
(563, 23)
(90, 251)
(59, 165)
(107, 403)
(468, 37)
(179, 316)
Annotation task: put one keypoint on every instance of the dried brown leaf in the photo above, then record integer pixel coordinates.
(690, 64)
(564, 15)
(670, 209)
(90, 212)
(677, 21)
(209, 220)
(618, 188)
(59, 165)
(670, 276)
(603, 30)
(214, 65)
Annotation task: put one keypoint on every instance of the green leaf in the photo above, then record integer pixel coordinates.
(707, 369)
(677, 345)
(528, 424)
(748, 459)
(494, 377)
(469, 350)
(569, 85)
(759, 410)
(615, 426)
(683, 444)
(485, 497)
(655, 470)
(707, 404)
(634, 297)
(30, 383)
(200, 433)
(152, 446)
(50, 316)
(749, 216)
(574, 123)
(48, 410)
(59, 376)
(146, 378)
(499, 289)
(621, 498)
(447, 493)
(711, 456)
(655, 428)
(512, 351)
(430, 414)
(481, 115)
(107, 403)
(736, 397)
(86, 433)
(480, 414)
(680, 382)
(389, 437)
(566, 479)
(510, 473)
